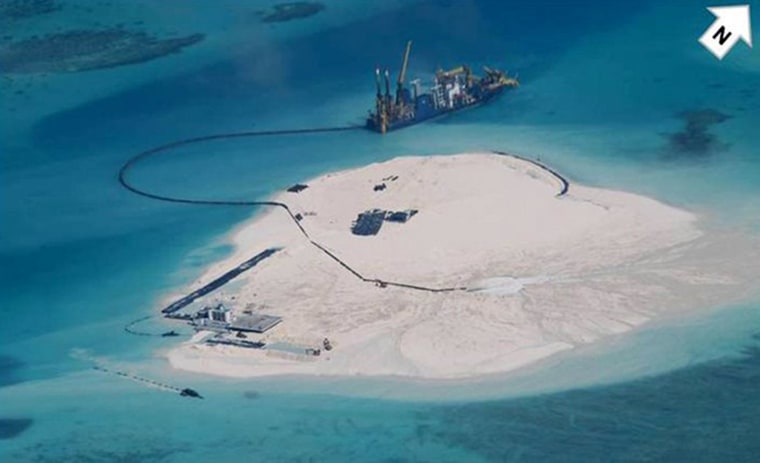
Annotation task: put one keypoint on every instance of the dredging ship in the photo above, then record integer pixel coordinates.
(452, 90)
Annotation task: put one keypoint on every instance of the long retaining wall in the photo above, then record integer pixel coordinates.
(564, 184)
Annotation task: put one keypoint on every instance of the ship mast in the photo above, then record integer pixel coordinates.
(379, 100)
(387, 88)
(377, 82)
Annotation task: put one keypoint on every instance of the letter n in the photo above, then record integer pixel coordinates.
(722, 33)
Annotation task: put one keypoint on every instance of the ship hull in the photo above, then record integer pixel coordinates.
(423, 114)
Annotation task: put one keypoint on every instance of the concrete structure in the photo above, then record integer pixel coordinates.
(256, 323)
(221, 318)
(220, 314)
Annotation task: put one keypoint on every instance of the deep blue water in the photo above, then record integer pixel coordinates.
(80, 257)
(702, 413)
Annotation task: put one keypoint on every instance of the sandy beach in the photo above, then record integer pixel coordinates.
(533, 272)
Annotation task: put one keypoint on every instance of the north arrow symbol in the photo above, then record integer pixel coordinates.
(731, 24)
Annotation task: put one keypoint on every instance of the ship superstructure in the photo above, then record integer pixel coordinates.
(452, 90)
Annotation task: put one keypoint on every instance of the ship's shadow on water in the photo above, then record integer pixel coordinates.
(704, 413)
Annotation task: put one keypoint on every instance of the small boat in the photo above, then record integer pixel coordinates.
(187, 392)
(169, 334)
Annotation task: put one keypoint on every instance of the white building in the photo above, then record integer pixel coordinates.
(220, 314)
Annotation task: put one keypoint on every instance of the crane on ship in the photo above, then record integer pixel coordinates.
(402, 75)
(452, 90)
(386, 108)
(495, 77)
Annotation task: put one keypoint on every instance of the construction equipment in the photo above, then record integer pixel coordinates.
(452, 90)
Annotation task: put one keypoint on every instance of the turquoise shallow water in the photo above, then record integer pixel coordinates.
(80, 257)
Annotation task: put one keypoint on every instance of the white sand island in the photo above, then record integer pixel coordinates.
(534, 272)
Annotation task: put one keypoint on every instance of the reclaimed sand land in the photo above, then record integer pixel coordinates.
(543, 273)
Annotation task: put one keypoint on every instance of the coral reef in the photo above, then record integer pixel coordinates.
(20, 9)
(695, 139)
(83, 50)
(283, 12)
